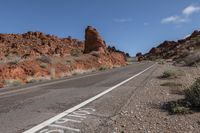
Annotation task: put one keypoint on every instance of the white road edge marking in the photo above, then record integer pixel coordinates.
(57, 117)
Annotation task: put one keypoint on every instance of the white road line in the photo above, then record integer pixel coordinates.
(78, 116)
(57, 117)
(64, 120)
(67, 128)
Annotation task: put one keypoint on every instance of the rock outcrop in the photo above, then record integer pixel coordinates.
(93, 41)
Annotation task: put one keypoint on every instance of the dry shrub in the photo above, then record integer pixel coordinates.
(168, 74)
(13, 82)
(191, 99)
(44, 59)
(192, 59)
(192, 94)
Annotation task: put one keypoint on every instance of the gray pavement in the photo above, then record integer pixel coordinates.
(32, 104)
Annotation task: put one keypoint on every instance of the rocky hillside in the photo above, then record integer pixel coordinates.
(35, 56)
(176, 50)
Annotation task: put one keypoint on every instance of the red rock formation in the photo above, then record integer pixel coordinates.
(93, 41)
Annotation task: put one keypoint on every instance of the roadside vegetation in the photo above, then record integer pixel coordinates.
(12, 82)
(171, 84)
(104, 67)
(190, 103)
(168, 74)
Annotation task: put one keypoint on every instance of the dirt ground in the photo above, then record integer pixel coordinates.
(144, 113)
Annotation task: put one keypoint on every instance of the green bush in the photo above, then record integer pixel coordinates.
(161, 62)
(31, 80)
(104, 67)
(179, 110)
(13, 82)
(191, 101)
(171, 84)
(178, 107)
(192, 94)
(16, 83)
(168, 74)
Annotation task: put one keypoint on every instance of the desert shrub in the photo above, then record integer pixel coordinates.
(31, 80)
(75, 53)
(13, 82)
(161, 62)
(192, 59)
(171, 84)
(95, 53)
(168, 74)
(189, 103)
(178, 107)
(104, 67)
(44, 59)
(192, 94)
(43, 65)
(82, 71)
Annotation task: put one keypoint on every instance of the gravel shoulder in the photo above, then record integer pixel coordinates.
(143, 112)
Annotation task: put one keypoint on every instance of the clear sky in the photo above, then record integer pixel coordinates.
(130, 25)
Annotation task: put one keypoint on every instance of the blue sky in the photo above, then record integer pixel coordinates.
(130, 25)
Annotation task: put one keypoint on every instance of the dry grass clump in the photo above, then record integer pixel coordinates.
(192, 94)
(12, 82)
(37, 79)
(191, 101)
(169, 74)
(171, 84)
(44, 65)
(104, 67)
(161, 62)
(81, 71)
(44, 59)
(192, 59)
(178, 107)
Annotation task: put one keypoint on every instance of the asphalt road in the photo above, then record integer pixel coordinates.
(25, 107)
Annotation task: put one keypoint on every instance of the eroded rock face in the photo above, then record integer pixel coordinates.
(93, 41)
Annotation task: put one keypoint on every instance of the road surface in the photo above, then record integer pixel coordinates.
(77, 104)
